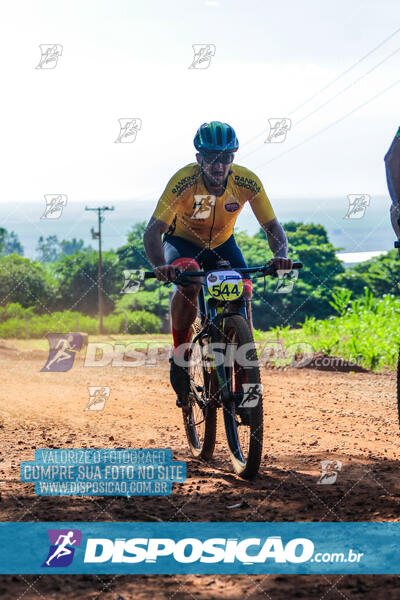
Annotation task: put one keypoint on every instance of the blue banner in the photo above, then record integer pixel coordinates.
(199, 548)
(103, 472)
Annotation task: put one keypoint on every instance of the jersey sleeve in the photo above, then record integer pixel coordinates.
(167, 204)
(260, 203)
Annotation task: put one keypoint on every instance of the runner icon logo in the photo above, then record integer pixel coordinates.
(202, 206)
(54, 206)
(358, 204)
(203, 54)
(49, 55)
(278, 129)
(62, 542)
(98, 396)
(329, 471)
(252, 393)
(128, 130)
(286, 280)
(133, 278)
(63, 348)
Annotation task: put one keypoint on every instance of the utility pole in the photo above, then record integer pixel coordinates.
(97, 235)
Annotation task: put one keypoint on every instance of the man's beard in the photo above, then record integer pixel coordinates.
(212, 181)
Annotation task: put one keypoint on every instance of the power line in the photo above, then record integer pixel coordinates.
(345, 72)
(335, 96)
(330, 83)
(329, 126)
(348, 86)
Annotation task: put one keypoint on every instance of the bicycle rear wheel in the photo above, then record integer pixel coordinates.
(200, 416)
(243, 426)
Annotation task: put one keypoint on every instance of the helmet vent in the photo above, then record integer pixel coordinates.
(219, 136)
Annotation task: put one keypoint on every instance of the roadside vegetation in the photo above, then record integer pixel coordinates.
(353, 313)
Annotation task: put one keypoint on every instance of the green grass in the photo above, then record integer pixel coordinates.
(20, 323)
(157, 340)
(365, 331)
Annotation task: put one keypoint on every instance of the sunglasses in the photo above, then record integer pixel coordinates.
(225, 157)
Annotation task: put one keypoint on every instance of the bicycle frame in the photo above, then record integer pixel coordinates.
(210, 316)
(212, 322)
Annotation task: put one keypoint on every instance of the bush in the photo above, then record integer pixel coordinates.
(13, 328)
(155, 301)
(14, 310)
(76, 277)
(114, 324)
(24, 281)
(13, 323)
(142, 321)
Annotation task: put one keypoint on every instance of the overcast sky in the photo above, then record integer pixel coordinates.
(130, 59)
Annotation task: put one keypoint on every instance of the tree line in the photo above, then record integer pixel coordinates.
(65, 276)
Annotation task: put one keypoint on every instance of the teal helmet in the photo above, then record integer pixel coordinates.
(216, 137)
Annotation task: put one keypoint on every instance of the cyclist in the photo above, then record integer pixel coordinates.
(197, 213)
(392, 162)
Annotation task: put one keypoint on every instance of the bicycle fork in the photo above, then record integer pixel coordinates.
(217, 315)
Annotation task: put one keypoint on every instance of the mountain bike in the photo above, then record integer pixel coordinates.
(223, 368)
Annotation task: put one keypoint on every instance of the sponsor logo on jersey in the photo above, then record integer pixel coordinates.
(232, 206)
(248, 183)
(184, 183)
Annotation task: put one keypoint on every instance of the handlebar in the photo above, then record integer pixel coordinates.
(257, 271)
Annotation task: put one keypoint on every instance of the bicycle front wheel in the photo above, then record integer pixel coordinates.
(200, 416)
(243, 425)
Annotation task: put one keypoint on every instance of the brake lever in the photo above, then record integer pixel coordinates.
(178, 273)
(178, 277)
(270, 270)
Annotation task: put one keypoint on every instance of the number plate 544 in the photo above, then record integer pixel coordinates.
(225, 285)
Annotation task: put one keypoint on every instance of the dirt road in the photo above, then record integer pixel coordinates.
(309, 416)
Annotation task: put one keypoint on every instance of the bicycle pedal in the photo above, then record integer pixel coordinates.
(244, 414)
(183, 404)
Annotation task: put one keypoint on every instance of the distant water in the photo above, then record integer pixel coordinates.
(351, 258)
(372, 232)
